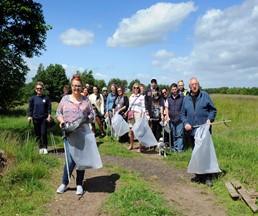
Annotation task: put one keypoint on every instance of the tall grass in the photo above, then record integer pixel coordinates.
(24, 187)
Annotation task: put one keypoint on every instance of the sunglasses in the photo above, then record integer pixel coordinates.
(76, 86)
(136, 88)
(39, 88)
(164, 92)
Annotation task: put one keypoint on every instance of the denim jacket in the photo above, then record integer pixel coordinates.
(204, 110)
(110, 101)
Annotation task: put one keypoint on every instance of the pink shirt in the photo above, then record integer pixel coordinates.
(71, 111)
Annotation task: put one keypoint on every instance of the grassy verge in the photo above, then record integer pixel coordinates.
(113, 148)
(236, 147)
(24, 187)
(135, 197)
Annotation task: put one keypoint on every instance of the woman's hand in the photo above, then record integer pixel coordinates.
(61, 124)
(49, 118)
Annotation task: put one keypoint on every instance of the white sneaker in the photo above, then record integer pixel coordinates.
(61, 189)
(79, 190)
(45, 151)
(41, 151)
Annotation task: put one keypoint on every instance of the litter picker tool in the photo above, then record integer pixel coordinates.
(215, 123)
(66, 151)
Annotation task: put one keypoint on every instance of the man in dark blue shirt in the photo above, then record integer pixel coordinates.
(40, 112)
(174, 103)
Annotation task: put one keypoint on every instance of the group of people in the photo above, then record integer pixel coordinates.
(181, 109)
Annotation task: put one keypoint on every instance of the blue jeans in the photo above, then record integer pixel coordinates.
(71, 165)
(177, 131)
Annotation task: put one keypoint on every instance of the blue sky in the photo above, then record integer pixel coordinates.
(215, 41)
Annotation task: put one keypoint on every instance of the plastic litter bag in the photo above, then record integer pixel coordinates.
(119, 125)
(203, 158)
(83, 148)
(143, 132)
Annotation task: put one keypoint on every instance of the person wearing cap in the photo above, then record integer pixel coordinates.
(152, 105)
(181, 88)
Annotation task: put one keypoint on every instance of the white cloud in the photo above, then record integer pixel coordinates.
(163, 54)
(77, 38)
(225, 50)
(150, 25)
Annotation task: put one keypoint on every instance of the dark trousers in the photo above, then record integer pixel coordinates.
(40, 128)
(71, 165)
(156, 129)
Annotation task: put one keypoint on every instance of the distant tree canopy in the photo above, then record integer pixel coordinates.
(87, 77)
(233, 90)
(54, 79)
(118, 82)
(22, 34)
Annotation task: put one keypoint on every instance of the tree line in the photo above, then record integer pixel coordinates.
(233, 90)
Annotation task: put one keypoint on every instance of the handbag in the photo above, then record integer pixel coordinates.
(130, 114)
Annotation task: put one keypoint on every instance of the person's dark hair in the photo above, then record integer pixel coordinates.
(121, 87)
(173, 85)
(154, 81)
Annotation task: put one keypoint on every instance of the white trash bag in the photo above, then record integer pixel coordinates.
(119, 125)
(83, 148)
(203, 158)
(143, 132)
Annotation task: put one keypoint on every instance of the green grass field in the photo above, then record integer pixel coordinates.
(236, 147)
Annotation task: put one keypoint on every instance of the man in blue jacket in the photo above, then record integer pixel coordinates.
(197, 109)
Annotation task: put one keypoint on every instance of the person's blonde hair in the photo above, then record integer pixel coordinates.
(39, 83)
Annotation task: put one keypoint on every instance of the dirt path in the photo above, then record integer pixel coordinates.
(172, 183)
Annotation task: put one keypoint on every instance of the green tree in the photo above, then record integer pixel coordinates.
(100, 83)
(22, 34)
(54, 79)
(87, 77)
(118, 82)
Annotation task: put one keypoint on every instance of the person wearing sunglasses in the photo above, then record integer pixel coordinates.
(39, 112)
(81, 150)
(135, 111)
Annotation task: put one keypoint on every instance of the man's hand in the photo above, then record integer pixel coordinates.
(188, 127)
(208, 122)
(29, 119)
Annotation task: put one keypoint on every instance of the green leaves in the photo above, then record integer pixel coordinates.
(22, 34)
